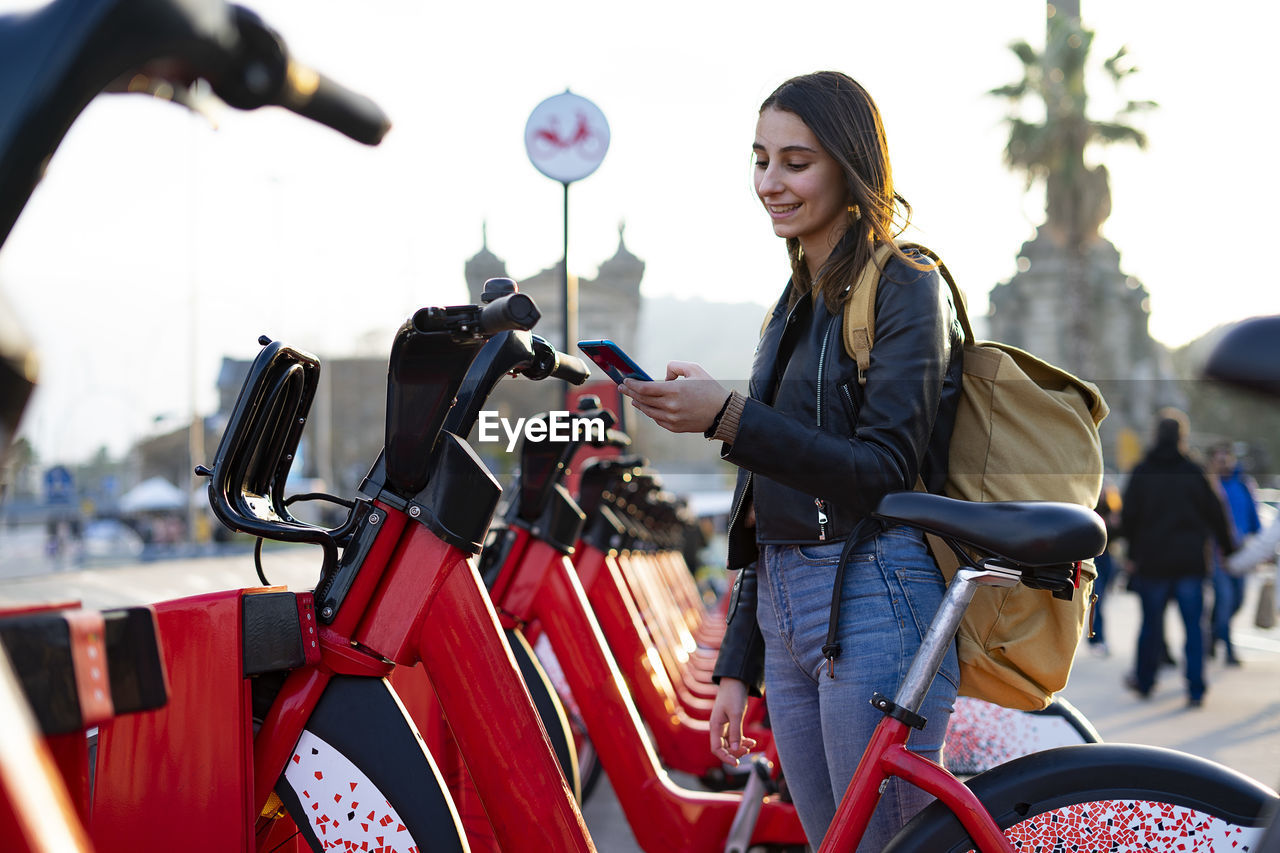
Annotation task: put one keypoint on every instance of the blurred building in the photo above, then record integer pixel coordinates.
(1090, 318)
(608, 305)
(346, 428)
(346, 425)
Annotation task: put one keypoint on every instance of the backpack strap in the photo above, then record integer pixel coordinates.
(860, 307)
(860, 312)
(858, 336)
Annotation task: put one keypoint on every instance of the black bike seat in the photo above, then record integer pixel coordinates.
(1028, 533)
(1249, 355)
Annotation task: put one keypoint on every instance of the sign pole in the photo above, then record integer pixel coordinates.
(570, 295)
(566, 138)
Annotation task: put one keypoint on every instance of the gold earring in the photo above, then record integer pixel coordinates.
(854, 213)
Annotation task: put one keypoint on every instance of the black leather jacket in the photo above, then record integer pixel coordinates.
(816, 451)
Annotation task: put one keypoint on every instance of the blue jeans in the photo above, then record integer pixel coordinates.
(1228, 595)
(1155, 594)
(822, 725)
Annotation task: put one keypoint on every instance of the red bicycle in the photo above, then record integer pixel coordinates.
(534, 588)
(650, 612)
(280, 703)
(63, 671)
(627, 576)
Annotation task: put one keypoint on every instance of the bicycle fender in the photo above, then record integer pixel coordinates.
(1113, 780)
(361, 773)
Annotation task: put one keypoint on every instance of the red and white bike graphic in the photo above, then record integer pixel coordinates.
(566, 137)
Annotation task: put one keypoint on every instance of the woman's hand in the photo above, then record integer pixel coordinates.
(727, 741)
(688, 401)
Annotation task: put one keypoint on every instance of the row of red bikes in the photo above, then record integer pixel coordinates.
(472, 658)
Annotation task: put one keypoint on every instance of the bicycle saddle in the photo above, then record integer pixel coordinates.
(1028, 533)
(1249, 355)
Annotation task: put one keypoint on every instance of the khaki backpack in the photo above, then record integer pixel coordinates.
(1024, 430)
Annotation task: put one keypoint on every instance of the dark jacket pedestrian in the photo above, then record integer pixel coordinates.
(1169, 514)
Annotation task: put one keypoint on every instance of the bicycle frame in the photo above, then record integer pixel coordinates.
(393, 620)
(536, 583)
(677, 719)
(611, 535)
(681, 738)
(662, 815)
(405, 591)
(886, 755)
(387, 620)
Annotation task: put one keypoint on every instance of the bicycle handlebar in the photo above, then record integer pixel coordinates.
(334, 105)
(550, 363)
(260, 72)
(515, 351)
(445, 363)
(572, 369)
(513, 312)
(53, 61)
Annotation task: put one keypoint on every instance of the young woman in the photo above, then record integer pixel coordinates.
(816, 450)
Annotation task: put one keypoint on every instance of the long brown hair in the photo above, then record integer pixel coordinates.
(847, 124)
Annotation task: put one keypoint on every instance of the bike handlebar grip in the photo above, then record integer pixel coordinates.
(513, 311)
(571, 369)
(313, 95)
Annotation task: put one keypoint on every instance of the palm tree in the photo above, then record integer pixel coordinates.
(1078, 197)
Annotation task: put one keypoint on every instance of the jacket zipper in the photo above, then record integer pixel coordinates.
(822, 361)
(733, 517)
(822, 515)
(737, 508)
(848, 398)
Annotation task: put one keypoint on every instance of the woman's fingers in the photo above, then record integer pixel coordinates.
(727, 742)
(686, 402)
(686, 370)
(729, 745)
(723, 746)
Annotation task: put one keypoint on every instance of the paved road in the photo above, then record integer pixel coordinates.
(1239, 724)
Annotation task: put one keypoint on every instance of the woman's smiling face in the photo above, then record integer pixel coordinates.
(800, 184)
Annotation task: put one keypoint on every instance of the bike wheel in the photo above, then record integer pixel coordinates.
(589, 766)
(360, 774)
(982, 735)
(1105, 797)
(588, 760)
(549, 709)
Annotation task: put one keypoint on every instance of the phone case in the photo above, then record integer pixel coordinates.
(613, 361)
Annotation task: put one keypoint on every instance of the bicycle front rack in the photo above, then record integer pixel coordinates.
(258, 448)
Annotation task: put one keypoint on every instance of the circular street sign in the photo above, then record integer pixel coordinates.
(566, 137)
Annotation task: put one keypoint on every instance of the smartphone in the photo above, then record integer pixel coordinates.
(613, 361)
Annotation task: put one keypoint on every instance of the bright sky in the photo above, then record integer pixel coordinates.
(150, 218)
